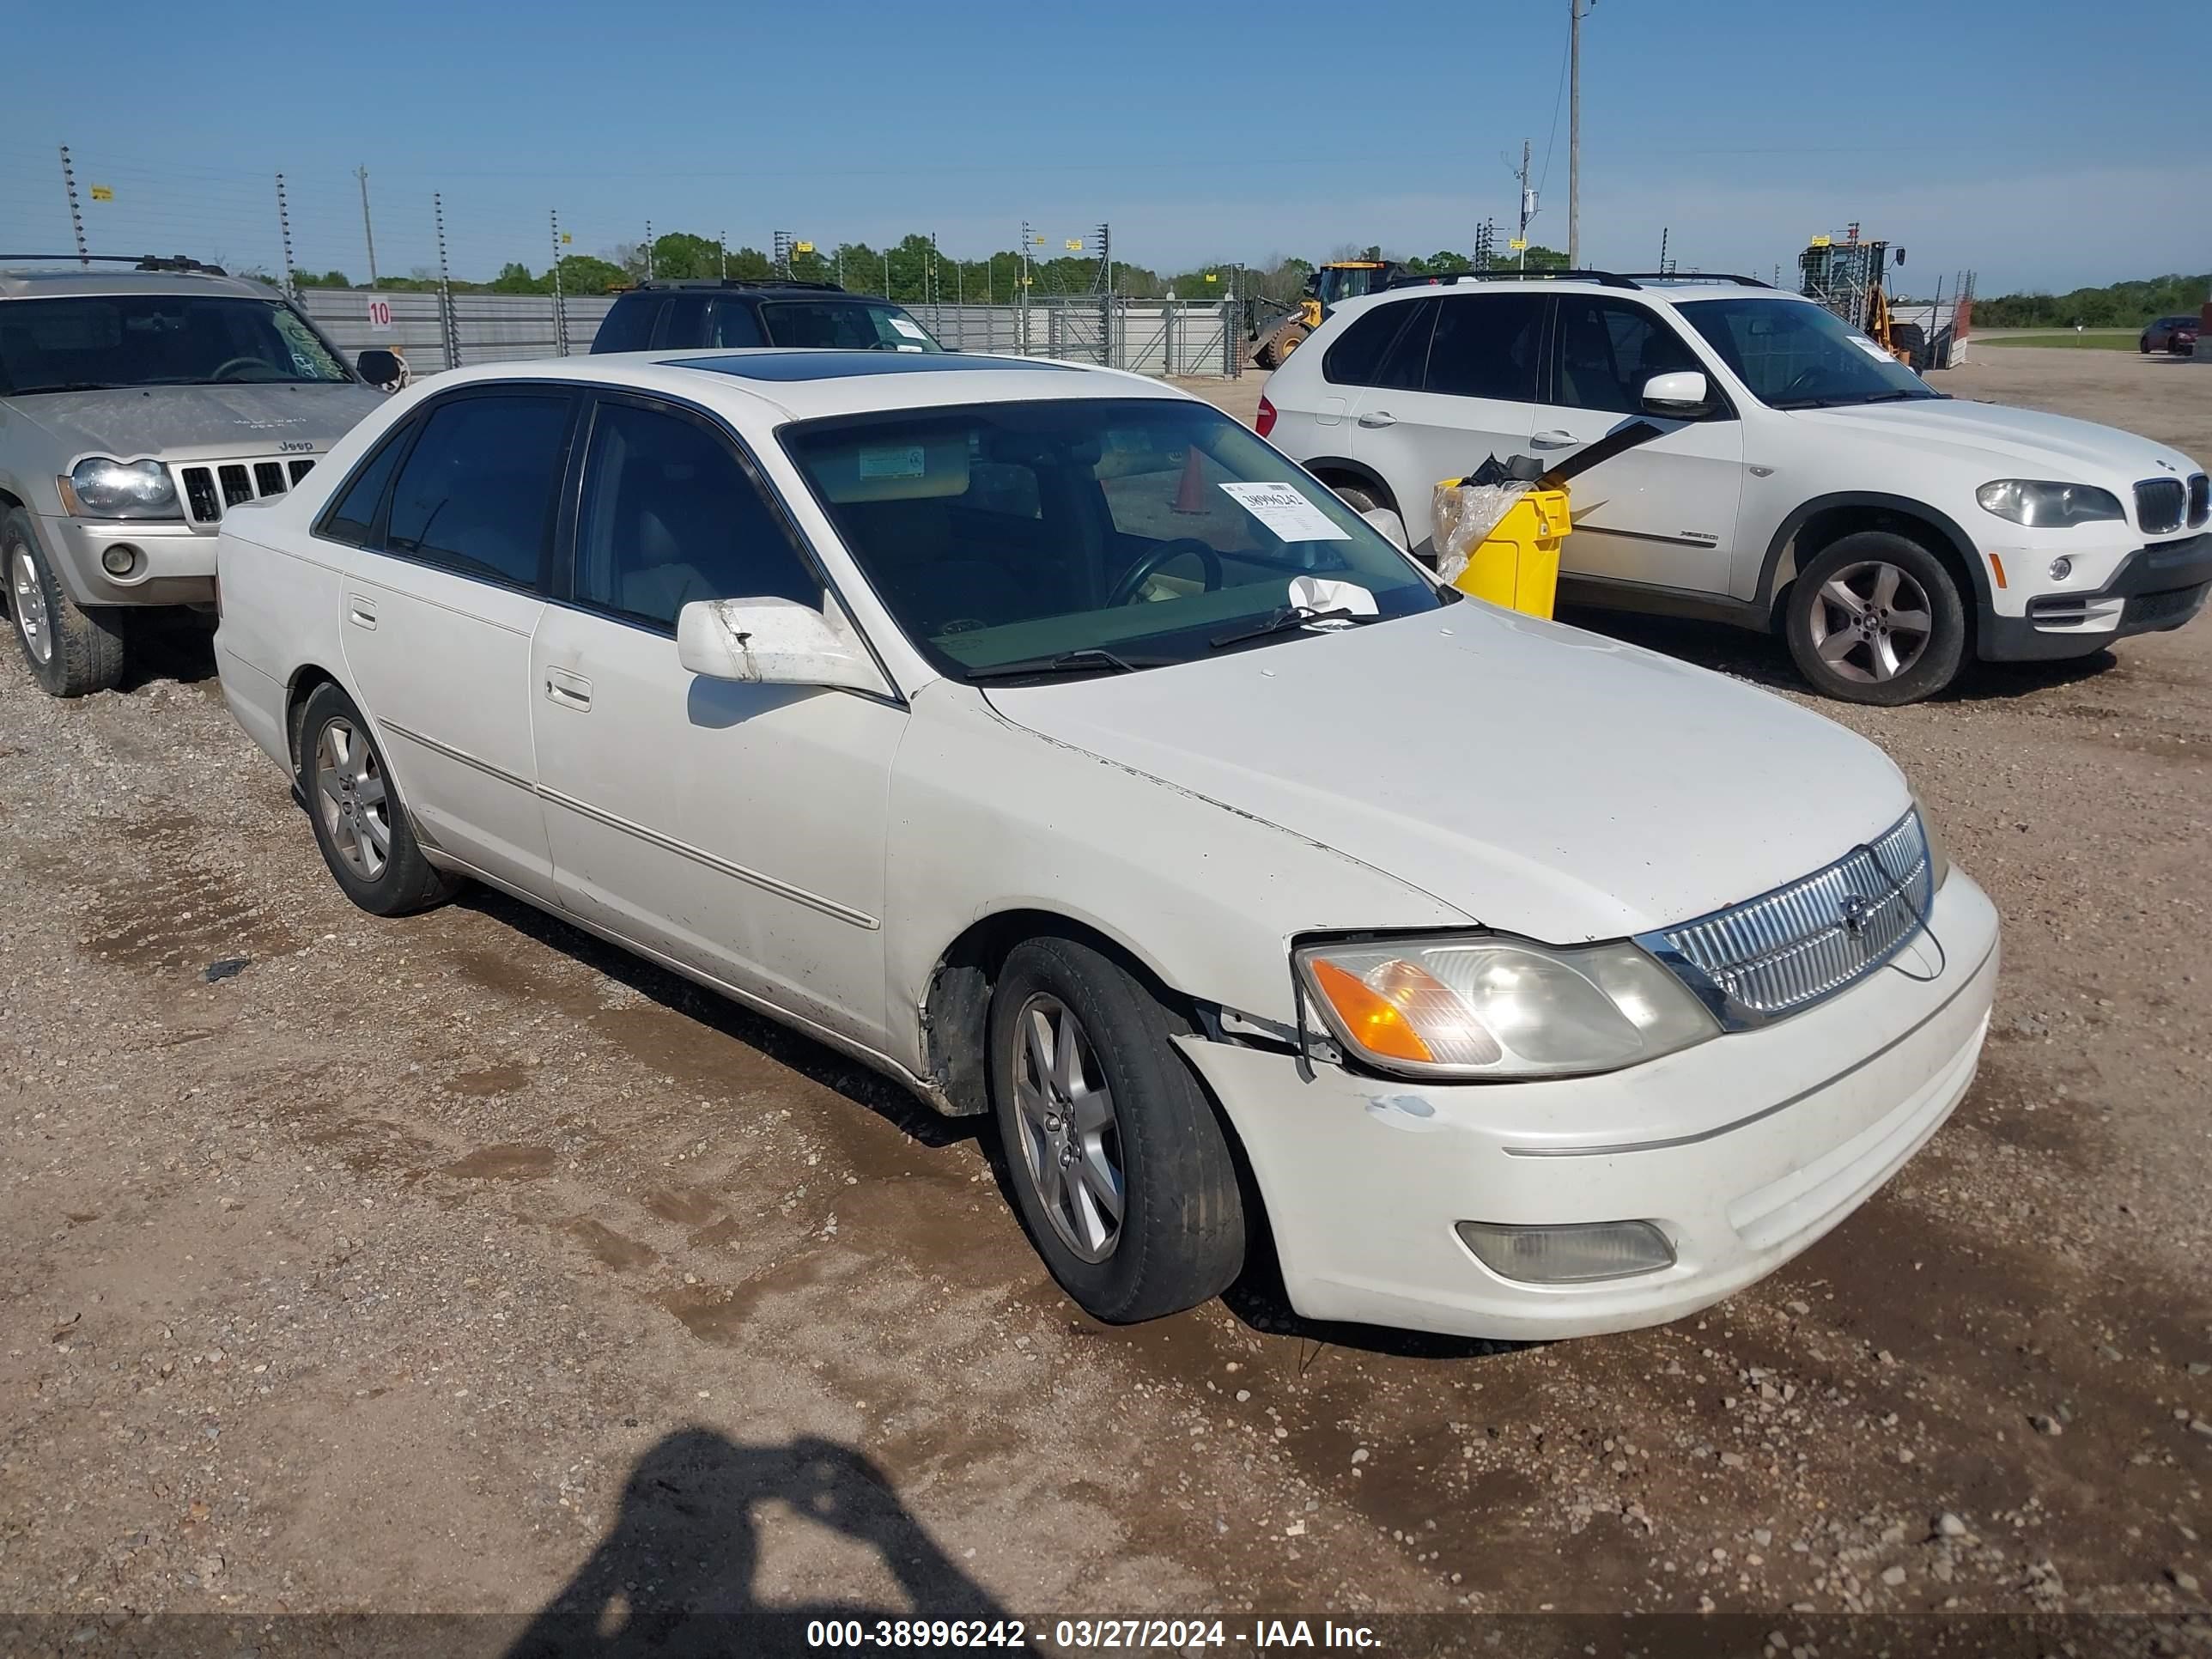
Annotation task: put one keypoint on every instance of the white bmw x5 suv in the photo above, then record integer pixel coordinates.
(1806, 481)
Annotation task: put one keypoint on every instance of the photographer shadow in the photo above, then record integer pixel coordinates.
(675, 1577)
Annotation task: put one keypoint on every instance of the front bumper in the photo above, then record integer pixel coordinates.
(176, 563)
(2154, 588)
(1743, 1150)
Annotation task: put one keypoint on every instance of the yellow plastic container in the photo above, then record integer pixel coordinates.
(1517, 565)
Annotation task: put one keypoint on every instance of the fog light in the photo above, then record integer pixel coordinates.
(120, 560)
(1569, 1255)
(2061, 569)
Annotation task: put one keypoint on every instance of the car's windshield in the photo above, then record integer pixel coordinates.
(1794, 355)
(843, 326)
(92, 342)
(1140, 531)
(1337, 282)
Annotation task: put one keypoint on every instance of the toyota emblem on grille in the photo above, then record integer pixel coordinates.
(1852, 911)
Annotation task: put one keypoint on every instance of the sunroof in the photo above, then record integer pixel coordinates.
(842, 365)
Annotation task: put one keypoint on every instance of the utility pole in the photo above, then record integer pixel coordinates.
(1574, 9)
(1026, 288)
(648, 250)
(560, 311)
(367, 231)
(1662, 250)
(76, 213)
(1527, 206)
(887, 273)
(284, 226)
(452, 324)
(722, 247)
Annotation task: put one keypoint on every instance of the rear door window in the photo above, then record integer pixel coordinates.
(1487, 346)
(683, 322)
(732, 323)
(476, 494)
(351, 519)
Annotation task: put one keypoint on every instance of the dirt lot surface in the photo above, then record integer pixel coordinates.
(462, 1264)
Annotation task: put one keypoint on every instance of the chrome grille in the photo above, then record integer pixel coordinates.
(1788, 949)
(2159, 504)
(209, 490)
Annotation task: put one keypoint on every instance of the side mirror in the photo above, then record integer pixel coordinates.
(775, 643)
(1683, 395)
(1391, 526)
(378, 366)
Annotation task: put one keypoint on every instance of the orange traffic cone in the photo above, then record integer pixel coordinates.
(1190, 494)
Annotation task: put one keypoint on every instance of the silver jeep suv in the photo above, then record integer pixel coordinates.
(136, 408)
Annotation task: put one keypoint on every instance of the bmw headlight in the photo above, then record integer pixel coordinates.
(2041, 505)
(100, 488)
(1481, 1007)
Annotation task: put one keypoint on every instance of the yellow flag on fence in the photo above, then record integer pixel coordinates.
(103, 193)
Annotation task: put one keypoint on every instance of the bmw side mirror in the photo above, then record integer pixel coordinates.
(378, 366)
(1684, 395)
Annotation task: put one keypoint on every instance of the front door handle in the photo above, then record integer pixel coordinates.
(360, 611)
(1552, 440)
(1375, 417)
(569, 690)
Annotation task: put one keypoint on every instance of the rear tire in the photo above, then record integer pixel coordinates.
(1121, 1172)
(361, 825)
(71, 651)
(1876, 618)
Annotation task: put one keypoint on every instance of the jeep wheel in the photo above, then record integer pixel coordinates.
(1876, 618)
(71, 651)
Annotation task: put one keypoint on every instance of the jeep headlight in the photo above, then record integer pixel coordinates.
(1481, 1007)
(2042, 505)
(100, 488)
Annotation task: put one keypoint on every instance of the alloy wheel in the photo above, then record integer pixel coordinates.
(355, 804)
(1071, 1141)
(1871, 622)
(28, 597)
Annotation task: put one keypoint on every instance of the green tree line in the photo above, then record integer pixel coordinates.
(910, 271)
(2115, 305)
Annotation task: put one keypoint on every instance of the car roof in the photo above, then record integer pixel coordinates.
(769, 386)
(62, 282)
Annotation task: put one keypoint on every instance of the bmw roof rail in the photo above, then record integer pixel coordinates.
(177, 262)
(1446, 279)
(658, 283)
(1643, 276)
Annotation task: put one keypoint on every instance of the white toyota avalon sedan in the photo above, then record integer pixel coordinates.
(1039, 736)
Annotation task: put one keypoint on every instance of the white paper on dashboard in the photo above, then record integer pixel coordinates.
(1284, 510)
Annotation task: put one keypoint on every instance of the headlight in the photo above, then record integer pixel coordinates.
(116, 490)
(2042, 506)
(1481, 1006)
(1939, 861)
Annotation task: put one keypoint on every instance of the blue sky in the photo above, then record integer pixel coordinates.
(2044, 144)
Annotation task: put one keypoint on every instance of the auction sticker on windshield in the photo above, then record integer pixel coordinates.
(912, 331)
(891, 461)
(1284, 510)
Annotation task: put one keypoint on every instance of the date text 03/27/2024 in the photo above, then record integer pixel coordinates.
(1088, 1635)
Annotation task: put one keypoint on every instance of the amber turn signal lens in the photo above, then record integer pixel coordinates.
(1371, 1019)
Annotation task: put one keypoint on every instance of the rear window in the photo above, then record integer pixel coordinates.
(627, 325)
(843, 326)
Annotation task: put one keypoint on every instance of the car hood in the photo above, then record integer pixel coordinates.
(183, 422)
(1541, 780)
(2059, 445)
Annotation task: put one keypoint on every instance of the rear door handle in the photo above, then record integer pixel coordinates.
(1375, 417)
(569, 690)
(1553, 440)
(360, 612)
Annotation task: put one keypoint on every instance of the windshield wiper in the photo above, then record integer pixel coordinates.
(1291, 617)
(1851, 401)
(1091, 659)
(64, 385)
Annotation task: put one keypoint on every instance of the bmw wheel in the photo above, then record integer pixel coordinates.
(1876, 618)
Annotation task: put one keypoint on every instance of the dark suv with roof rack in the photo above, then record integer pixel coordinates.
(677, 315)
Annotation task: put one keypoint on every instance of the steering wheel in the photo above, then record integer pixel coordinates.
(1133, 579)
(222, 369)
(1802, 379)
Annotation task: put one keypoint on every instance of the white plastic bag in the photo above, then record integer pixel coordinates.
(1462, 515)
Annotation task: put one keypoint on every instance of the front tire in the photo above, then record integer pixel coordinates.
(1120, 1171)
(1876, 618)
(360, 824)
(71, 651)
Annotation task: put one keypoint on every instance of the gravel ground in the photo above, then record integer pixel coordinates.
(461, 1264)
